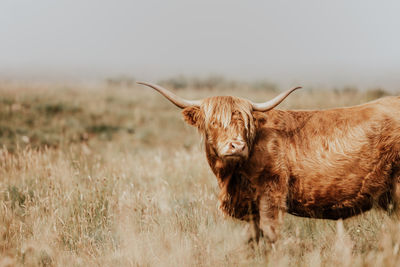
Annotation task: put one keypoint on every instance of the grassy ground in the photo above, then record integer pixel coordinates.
(112, 176)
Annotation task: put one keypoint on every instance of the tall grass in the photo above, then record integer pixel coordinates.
(113, 177)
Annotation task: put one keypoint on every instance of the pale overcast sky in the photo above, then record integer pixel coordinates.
(309, 42)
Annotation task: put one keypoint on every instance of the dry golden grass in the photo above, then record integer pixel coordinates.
(113, 177)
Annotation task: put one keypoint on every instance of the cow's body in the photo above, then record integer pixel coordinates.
(327, 164)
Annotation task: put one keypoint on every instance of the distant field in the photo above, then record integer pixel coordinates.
(112, 176)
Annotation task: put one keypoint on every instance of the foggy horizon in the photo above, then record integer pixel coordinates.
(335, 44)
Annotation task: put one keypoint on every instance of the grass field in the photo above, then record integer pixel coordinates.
(112, 176)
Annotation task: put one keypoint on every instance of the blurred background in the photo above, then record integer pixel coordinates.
(310, 43)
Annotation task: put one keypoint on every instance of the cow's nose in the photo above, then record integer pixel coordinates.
(238, 146)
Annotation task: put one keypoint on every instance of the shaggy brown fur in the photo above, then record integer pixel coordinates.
(327, 164)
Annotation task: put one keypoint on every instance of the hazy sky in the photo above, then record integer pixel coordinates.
(311, 42)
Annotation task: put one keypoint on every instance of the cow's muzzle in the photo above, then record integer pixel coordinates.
(235, 149)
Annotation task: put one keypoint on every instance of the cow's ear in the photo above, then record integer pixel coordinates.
(192, 116)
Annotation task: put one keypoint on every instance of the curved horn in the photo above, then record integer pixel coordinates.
(273, 102)
(177, 100)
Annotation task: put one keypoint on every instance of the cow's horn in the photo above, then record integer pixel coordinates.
(273, 102)
(177, 100)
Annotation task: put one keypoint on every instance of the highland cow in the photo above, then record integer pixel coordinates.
(328, 164)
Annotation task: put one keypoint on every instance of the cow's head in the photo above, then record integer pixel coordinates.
(226, 122)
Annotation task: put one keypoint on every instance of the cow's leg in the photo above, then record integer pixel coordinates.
(396, 193)
(253, 232)
(386, 201)
(396, 198)
(272, 207)
(390, 201)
